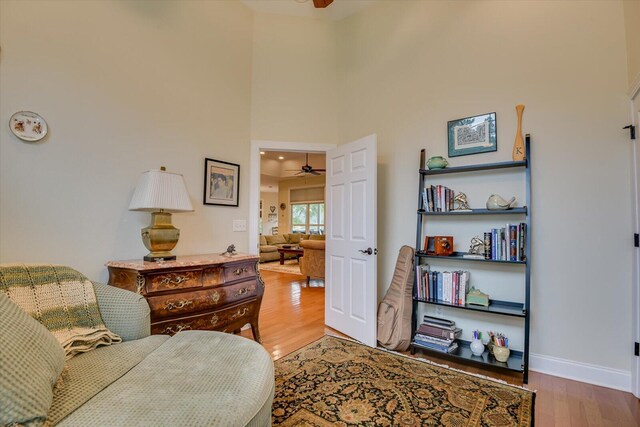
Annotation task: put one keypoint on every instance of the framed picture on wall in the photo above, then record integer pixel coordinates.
(221, 183)
(472, 135)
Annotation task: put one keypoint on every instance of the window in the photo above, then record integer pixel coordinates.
(307, 218)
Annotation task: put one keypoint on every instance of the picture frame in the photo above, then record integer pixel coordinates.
(221, 183)
(472, 135)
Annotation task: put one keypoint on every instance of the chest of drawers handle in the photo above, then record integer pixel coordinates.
(240, 313)
(176, 328)
(238, 271)
(168, 281)
(242, 291)
(170, 305)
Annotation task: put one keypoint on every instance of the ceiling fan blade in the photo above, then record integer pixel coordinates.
(299, 173)
(319, 170)
(320, 4)
(313, 172)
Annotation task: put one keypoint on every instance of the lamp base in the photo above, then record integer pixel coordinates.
(153, 258)
(160, 237)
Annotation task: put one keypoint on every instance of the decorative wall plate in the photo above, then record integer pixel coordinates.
(28, 126)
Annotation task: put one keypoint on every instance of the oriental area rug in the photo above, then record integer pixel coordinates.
(290, 266)
(337, 382)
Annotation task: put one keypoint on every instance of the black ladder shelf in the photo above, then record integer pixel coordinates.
(518, 360)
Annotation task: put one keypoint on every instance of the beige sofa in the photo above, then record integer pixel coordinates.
(269, 244)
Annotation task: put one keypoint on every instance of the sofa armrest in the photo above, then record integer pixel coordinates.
(123, 312)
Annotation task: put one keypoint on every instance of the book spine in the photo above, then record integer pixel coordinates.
(487, 245)
(437, 332)
(494, 243)
(513, 242)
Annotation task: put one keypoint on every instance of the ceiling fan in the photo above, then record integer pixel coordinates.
(321, 4)
(307, 168)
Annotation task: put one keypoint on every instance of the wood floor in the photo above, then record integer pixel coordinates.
(292, 315)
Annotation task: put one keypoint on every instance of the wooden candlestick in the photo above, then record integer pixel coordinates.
(518, 145)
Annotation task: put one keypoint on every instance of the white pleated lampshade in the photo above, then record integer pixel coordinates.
(159, 189)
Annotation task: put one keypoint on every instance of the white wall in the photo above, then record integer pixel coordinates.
(294, 80)
(406, 68)
(269, 199)
(125, 87)
(632, 27)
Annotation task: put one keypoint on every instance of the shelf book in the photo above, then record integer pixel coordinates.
(508, 244)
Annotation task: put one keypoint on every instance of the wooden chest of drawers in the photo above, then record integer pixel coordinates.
(214, 292)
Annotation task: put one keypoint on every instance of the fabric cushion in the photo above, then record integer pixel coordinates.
(294, 237)
(217, 378)
(60, 298)
(263, 240)
(316, 237)
(268, 248)
(277, 239)
(89, 373)
(31, 360)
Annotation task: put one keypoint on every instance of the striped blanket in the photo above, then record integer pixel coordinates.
(63, 300)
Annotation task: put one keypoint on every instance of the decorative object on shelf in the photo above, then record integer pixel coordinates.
(477, 246)
(282, 206)
(500, 347)
(518, 145)
(272, 209)
(477, 348)
(460, 203)
(497, 203)
(438, 245)
(160, 192)
(437, 162)
(501, 353)
(472, 135)
(221, 183)
(28, 126)
(477, 297)
(423, 156)
(231, 250)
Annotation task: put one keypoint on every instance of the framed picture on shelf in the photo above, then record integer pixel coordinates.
(221, 183)
(472, 135)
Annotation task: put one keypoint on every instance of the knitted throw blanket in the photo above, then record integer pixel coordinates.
(63, 300)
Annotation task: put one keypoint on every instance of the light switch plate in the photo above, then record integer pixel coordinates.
(239, 225)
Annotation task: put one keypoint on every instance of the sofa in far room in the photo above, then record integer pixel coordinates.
(269, 245)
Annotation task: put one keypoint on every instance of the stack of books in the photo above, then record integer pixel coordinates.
(437, 198)
(450, 287)
(507, 243)
(437, 334)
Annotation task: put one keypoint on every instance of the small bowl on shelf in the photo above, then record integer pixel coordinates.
(501, 353)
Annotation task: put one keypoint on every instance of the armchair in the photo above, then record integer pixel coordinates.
(312, 261)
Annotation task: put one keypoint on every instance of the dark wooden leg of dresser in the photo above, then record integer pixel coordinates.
(256, 331)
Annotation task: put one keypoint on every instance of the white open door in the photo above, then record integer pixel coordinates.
(351, 291)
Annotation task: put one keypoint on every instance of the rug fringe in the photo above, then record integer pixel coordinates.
(440, 365)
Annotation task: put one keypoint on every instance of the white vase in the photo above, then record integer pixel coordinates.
(477, 348)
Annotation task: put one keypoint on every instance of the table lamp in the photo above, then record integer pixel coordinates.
(160, 192)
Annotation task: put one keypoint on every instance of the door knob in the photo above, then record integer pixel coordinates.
(367, 251)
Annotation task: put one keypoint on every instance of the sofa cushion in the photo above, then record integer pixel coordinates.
(87, 374)
(217, 378)
(294, 237)
(316, 237)
(263, 240)
(31, 362)
(277, 239)
(268, 248)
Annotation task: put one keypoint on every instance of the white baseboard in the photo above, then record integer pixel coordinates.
(583, 372)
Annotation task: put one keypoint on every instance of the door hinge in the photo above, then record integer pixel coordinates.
(637, 349)
(632, 131)
(636, 240)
